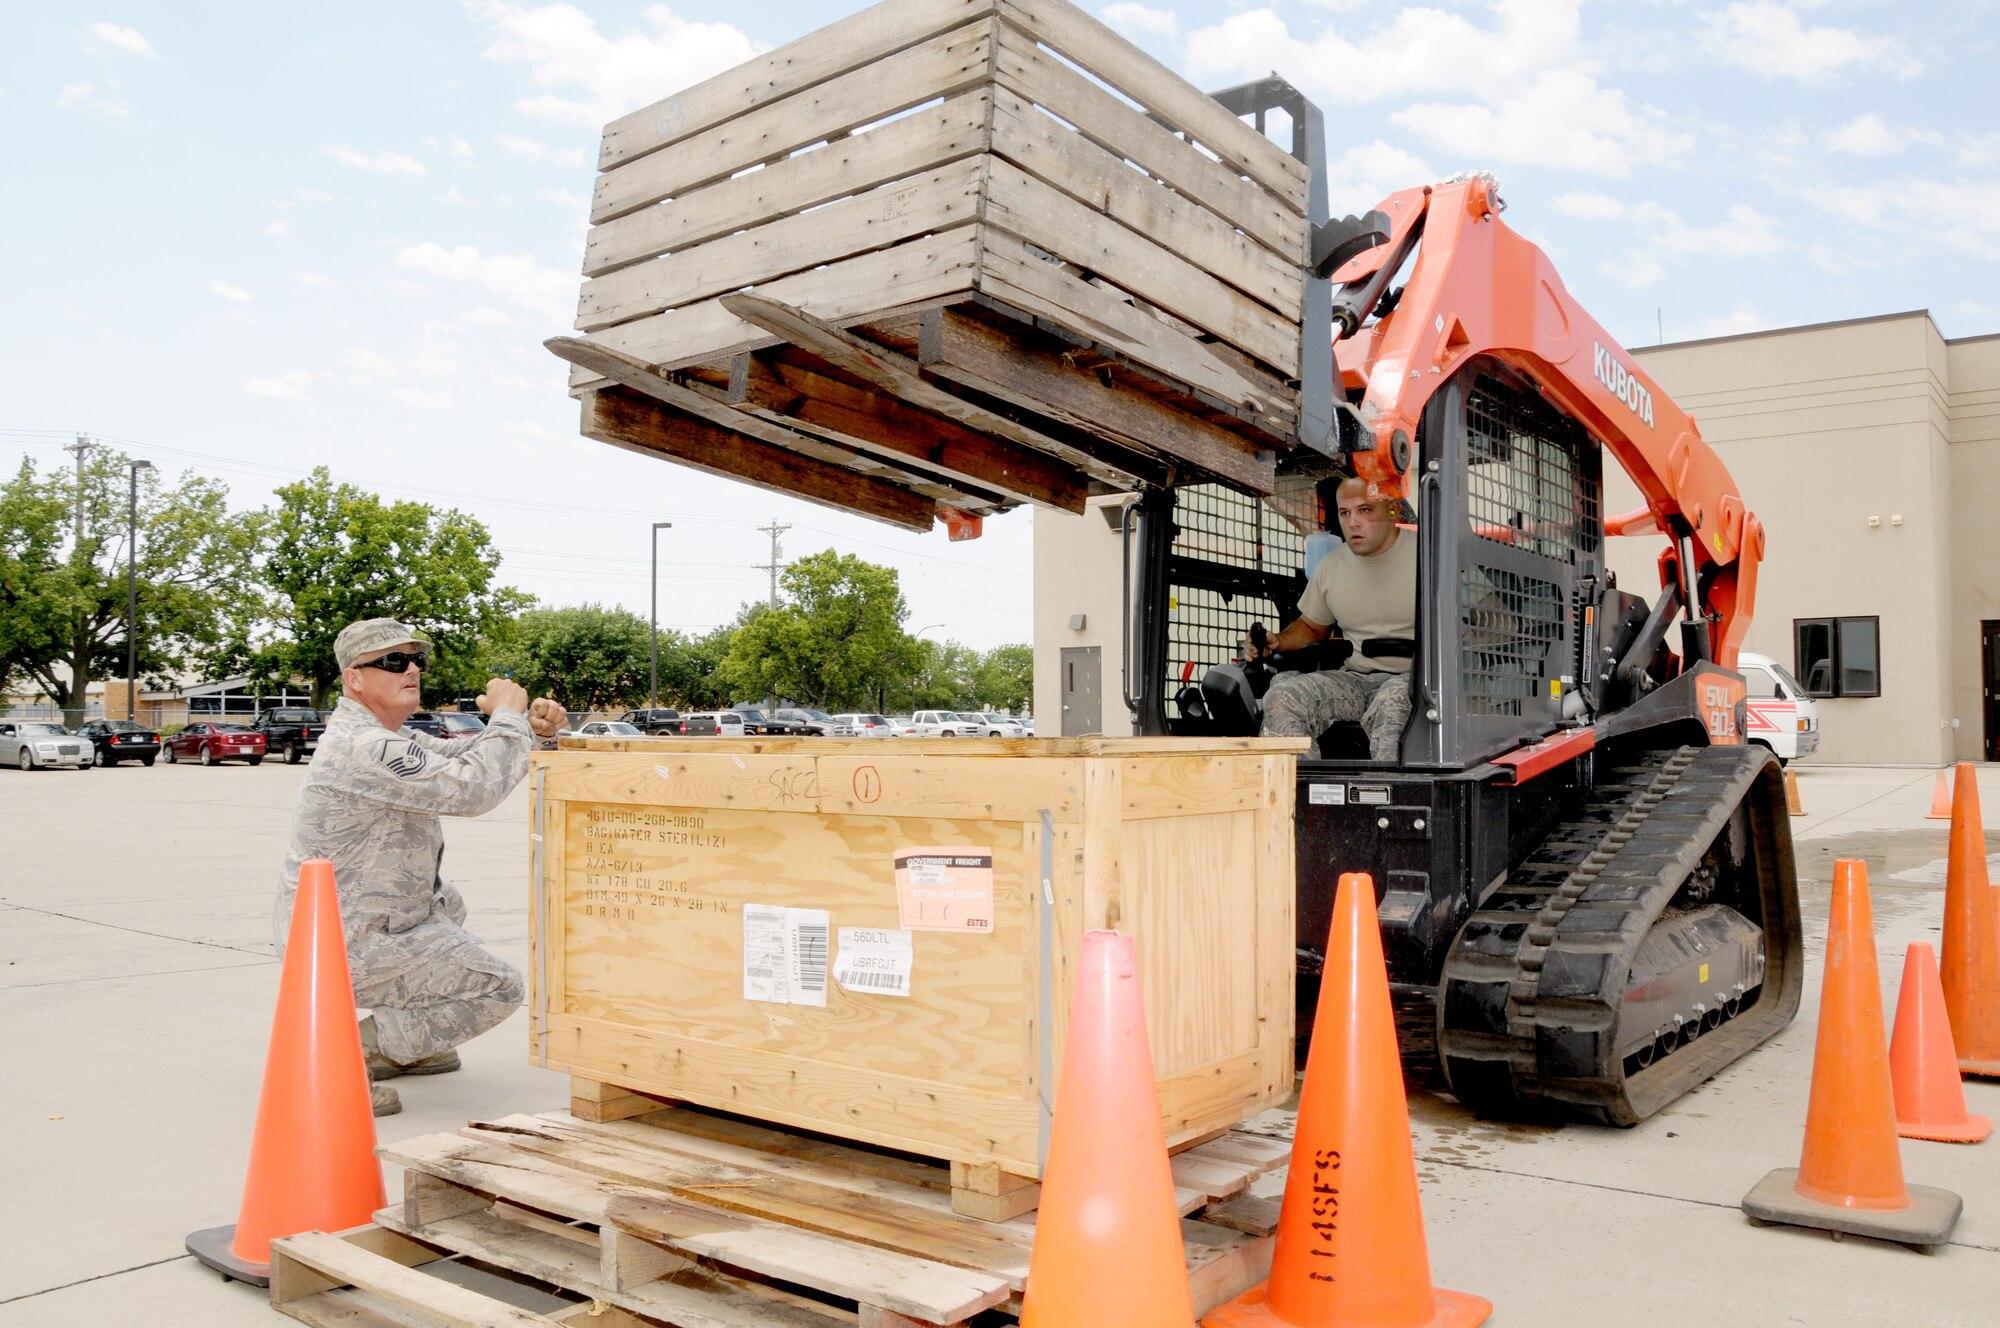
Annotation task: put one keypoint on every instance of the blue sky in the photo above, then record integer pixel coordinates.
(247, 240)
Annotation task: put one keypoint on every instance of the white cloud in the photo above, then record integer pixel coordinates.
(125, 39)
(1743, 319)
(293, 386)
(1562, 119)
(1952, 214)
(586, 78)
(1868, 136)
(229, 292)
(548, 291)
(421, 398)
(487, 315)
(1770, 40)
(1985, 313)
(1135, 20)
(312, 195)
(1746, 233)
(382, 163)
(83, 96)
(451, 143)
(315, 279)
(453, 198)
(537, 151)
(564, 198)
(278, 227)
(1364, 175)
(1638, 273)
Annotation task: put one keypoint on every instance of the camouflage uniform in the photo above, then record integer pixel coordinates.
(370, 804)
(1302, 705)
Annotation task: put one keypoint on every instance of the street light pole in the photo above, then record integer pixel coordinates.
(132, 595)
(653, 689)
(918, 637)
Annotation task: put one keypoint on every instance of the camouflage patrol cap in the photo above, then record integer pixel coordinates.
(370, 635)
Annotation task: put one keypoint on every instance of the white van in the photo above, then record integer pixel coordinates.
(1779, 716)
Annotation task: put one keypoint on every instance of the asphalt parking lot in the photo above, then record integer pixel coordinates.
(137, 980)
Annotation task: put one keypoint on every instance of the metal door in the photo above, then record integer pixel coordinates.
(1989, 685)
(1082, 691)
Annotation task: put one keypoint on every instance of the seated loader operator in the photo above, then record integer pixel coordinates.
(1367, 588)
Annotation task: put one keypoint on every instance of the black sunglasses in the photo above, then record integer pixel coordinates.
(398, 661)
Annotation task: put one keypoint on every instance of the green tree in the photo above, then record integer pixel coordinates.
(1005, 678)
(588, 657)
(946, 677)
(338, 553)
(838, 632)
(66, 606)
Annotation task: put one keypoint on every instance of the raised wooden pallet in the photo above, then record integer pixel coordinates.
(705, 1221)
(999, 255)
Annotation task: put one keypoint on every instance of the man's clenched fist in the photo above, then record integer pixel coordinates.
(502, 694)
(546, 717)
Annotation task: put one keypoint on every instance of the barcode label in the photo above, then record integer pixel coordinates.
(874, 961)
(784, 954)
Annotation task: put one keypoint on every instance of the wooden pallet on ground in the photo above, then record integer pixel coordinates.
(993, 253)
(700, 1220)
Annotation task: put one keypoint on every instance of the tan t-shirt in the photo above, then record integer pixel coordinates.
(1366, 598)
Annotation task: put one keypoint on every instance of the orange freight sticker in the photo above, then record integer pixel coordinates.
(945, 889)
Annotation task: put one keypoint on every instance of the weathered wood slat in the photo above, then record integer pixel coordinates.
(1029, 72)
(914, 275)
(1053, 221)
(769, 385)
(1018, 276)
(941, 67)
(969, 351)
(615, 416)
(1084, 41)
(340, 1263)
(859, 39)
(694, 402)
(926, 139)
(1057, 154)
(934, 201)
(900, 377)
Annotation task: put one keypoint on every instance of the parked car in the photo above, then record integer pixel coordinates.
(1028, 723)
(656, 719)
(903, 726)
(813, 723)
(945, 724)
(610, 728)
(715, 723)
(1002, 726)
(446, 724)
(867, 725)
(211, 741)
(115, 740)
(32, 743)
(293, 730)
(760, 721)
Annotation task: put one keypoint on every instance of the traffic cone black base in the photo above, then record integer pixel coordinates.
(1925, 1223)
(211, 1246)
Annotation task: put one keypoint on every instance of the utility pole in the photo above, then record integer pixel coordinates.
(773, 530)
(132, 595)
(653, 693)
(73, 712)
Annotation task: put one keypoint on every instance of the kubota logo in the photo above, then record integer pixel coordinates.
(1624, 385)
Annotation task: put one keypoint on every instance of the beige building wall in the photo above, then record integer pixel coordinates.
(1077, 573)
(1972, 369)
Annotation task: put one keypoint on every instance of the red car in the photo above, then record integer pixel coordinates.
(208, 743)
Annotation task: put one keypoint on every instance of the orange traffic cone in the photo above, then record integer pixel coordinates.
(312, 1158)
(1968, 965)
(1930, 1100)
(1940, 800)
(1108, 1249)
(1792, 803)
(1850, 1173)
(1350, 1248)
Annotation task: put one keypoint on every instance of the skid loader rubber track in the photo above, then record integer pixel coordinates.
(1530, 997)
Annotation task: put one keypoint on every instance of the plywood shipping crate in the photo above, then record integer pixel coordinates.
(876, 940)
(958, 254)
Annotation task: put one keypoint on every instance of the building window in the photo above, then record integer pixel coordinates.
(1839, 656)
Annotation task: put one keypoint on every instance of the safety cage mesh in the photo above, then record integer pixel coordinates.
(1527, 482)
(1507, 622)
(1205, 627)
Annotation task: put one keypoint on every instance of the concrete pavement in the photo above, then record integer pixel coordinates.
(137, 980)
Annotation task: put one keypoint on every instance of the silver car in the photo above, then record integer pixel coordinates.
(32, 742)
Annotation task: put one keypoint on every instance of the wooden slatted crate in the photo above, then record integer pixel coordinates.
(988, 227)
(656, 862)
